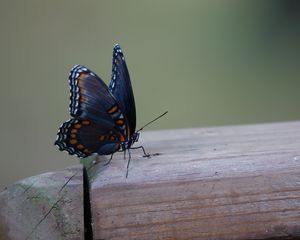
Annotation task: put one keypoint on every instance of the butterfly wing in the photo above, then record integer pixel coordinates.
(83, 138)
(89, 96)
(98, 125)
(121, 89)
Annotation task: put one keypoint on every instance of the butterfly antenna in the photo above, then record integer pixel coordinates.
(152, 121)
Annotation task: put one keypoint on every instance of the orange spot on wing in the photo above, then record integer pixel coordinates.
(122, 138)
(101, 138)
(86, 122)
(120, 122)
(73, 135)
(73, 141)
(112, 138)
(82, 75)
(77, 125)
(80, 146)
(80, 84)
(113, 109)
(73, 130)
(82, 98)
(86, 151)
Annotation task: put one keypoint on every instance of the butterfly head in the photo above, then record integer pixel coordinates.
(127, 144)
(135, 137)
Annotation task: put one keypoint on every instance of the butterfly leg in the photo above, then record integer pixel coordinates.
(129, 157)
(145, 154)
(124, 154)
(108, 162)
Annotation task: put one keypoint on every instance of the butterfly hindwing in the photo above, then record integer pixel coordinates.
(121, 89)
(83, 137)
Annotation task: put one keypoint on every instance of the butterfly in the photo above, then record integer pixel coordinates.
(103, 118)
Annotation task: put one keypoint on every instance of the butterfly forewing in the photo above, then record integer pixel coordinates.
(121, 89)
(90, 97)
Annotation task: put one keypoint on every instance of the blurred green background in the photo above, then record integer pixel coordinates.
(208, 62)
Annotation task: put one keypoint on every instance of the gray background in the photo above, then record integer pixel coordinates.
(207, 62)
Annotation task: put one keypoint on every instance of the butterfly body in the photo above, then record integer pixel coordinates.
(103, 118)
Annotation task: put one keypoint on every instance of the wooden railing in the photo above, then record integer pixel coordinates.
(234, 182)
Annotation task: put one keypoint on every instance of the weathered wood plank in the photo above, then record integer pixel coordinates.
(47, 206)
(235, 182)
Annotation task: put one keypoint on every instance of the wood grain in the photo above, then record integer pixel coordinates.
(235, 182)
(47, 206)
